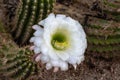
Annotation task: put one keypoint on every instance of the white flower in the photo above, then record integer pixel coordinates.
(61, 41)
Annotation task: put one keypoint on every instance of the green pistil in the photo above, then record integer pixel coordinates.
(59, 41)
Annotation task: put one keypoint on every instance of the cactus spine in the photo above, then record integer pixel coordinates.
(28, 13)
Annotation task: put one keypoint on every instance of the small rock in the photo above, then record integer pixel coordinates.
(118, 10)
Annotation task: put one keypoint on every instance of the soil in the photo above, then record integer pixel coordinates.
(95, 66)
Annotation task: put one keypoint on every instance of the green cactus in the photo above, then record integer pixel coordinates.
(110, 4)
(102, 40)
(103, 35)
(112, 7)
(15, 63)
(19, 66)
(28, 13)
(1, 28)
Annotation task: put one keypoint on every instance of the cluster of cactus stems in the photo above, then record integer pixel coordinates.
(19, 66)
(28, 13)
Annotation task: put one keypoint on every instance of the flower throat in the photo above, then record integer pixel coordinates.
(59, 41)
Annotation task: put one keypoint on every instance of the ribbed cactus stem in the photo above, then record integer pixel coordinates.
(23, 74)
(103, 39)
(33, 69)
(14, 71)
(22, 22)
(108, 48)
(21, 66)
(29, 12)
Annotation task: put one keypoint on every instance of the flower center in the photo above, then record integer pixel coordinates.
(59, 41)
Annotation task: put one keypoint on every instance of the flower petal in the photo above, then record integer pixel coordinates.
(32, 39)
(55, 63)
(48, 66)
(50, 18)
(44, 49)
(36, 27)
(80, 59)
(37, 50)
(64, 56)
(60, 16)
(38, 33)
(44, 59)
(63, 66)
(52, 55)
(38, 41)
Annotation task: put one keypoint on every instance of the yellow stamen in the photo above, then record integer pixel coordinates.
(59, 41)
(60, 45)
